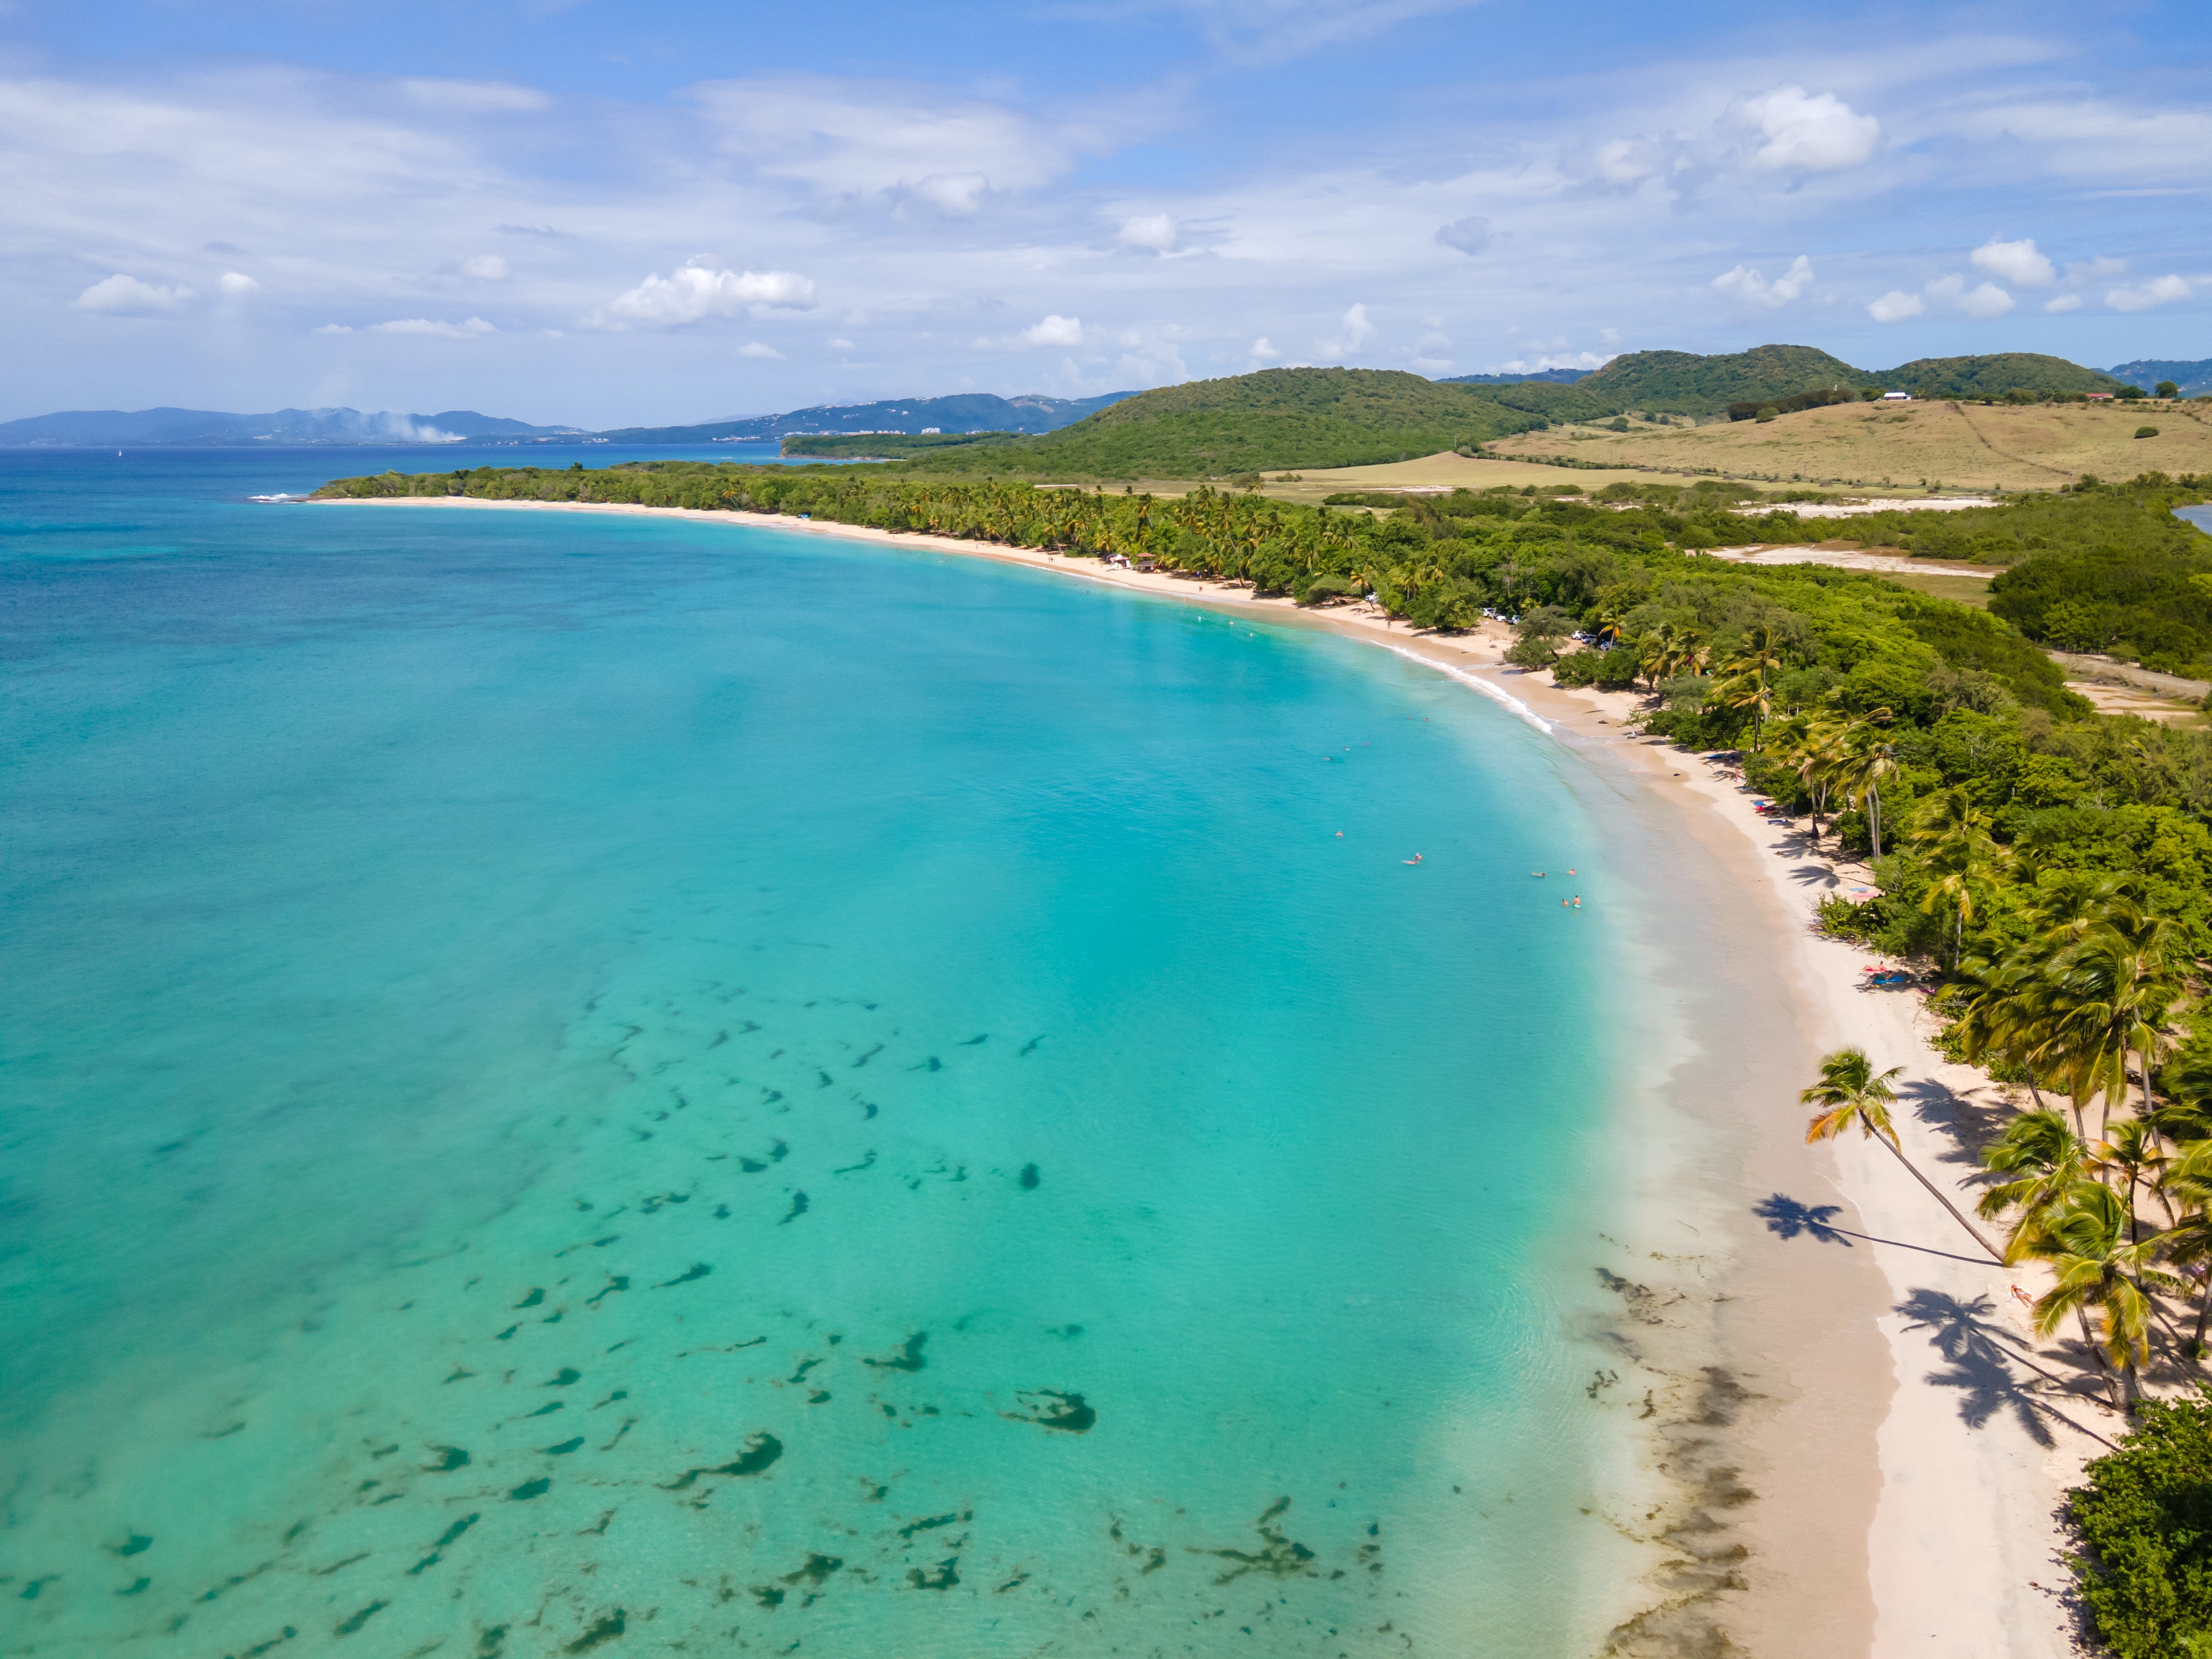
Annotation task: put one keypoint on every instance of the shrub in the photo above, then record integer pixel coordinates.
(2146, 432)
(1577, 668)
(2146, 1516)
(1767, 412)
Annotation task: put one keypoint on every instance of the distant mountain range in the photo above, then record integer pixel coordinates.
(966, 412)
(200, 427)
(2193, 378)
(147, 428)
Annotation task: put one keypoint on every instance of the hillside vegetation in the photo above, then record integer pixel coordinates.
(1275, 419)
(1683, 382)
(1873, 446)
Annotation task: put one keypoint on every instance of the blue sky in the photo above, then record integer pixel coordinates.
(577, 211)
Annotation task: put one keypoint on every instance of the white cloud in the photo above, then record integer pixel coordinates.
(469, 329)
(475, 97)
(1272, 31)
(1156, 232)
(335, 328)
(1470, 235)
(2099, 270)
(2142, 297)
(1627, 161)
(693, 293)
(1353, 331)
(1263, 350)
(855, 138)
(237, 284)
(755, 349)
(1809, 132)
(2017, 263)
(126, 296)
(2063, 302)
(1053, 330)
(840, 343)
(1981, 303)
(1746, 285)
(1895, 306)
(485, 268)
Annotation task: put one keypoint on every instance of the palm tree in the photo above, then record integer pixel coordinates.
(1817, 752)
(1748, 691)
(1960, 848)
(1867, 758)
(2189, 1180)
(2003, 1015)
(2099, 1266)
(1851, 1091)
(2132, 1148)
(2045, 1159)
(2113, 991)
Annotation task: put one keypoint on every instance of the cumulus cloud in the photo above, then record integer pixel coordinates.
(1153, 233)
(693, 293)
(2017, 263)
(1353, 331)
(485, 268)
(2063, 302)
(1746, 285)
(1470, 235)
(2144, 296)
(1809, 132)
(126, 296)
(426, 325)
(756, 349)
(1263, 351)
(1895, 306)
(335, 328)
(1981, 303)
(237, 284)
(1053, 330)
(840, 343)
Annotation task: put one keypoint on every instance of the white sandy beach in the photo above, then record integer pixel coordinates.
(1953, 1502)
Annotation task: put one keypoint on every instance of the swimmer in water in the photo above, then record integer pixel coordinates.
(1538, 874)
(1416, 859)
(1578, 901)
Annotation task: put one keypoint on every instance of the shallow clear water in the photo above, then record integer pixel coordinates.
(582, 1083)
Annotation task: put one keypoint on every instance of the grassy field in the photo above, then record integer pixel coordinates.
(1966, 589)
(1871, 446)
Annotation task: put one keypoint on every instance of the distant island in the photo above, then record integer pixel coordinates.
(964, 412)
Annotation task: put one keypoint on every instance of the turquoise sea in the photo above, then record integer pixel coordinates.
(588, 1084)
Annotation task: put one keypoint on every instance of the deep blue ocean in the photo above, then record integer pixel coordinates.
(578, 1083)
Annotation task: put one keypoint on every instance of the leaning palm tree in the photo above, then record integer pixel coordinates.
(1849, 1092)
(1746, 691)
(2114, 992)
(2099, 1266)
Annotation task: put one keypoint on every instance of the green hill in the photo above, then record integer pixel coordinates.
(1991, 376)
(1682, 382)
(1276, 419)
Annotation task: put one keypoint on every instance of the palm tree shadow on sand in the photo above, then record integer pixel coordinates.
(1979, 1356)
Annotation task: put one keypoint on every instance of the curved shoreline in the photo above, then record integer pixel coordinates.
(1945, 1539)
